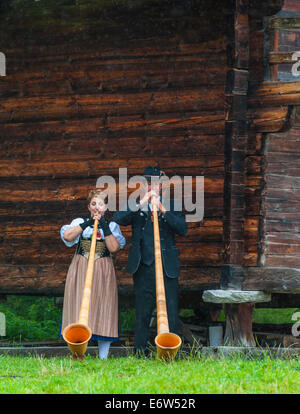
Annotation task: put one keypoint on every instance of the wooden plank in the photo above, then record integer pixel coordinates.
(87, 48)
(288, 145)
(291, 23)
(97, 145)
(281, 57)
(97, 168)
(264, 119)
(195, 123)
(47, 252)
(282, 237)
(291, 5)
(282, 224)
(280, 277)
(109, 79)
(49, 279)
(100, 104)
(291, 261)
(269, 94)
(286, 182)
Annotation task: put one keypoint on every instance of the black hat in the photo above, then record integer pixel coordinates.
(153, 172)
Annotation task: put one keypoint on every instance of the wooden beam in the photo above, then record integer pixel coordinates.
(282, 57)
(236, 136)
(290, 23)
(272, 94)
(272, 279)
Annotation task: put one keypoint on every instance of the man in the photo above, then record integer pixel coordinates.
(141, 260)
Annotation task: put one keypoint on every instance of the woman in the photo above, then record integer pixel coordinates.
(103, 315)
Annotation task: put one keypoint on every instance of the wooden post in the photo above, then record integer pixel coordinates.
(238, 316)
(236, 135)
(239, 324)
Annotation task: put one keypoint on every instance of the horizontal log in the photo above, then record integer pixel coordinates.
(88, 49)
(69, 130)
(47, 251)
(271, 94)
(275, 204)
(78, 58)
(20, 211)
(283, 237)
(201, 123)
(281, 57)
(290, 23)
(273, 279)
(39, 236)
(26, 191)
(291, 261)
(113, 77)
(265, 119)
(282, 224)
(283, 249)
(206, 231)
(278, 180)
(283, 169)
(50, 280)
(284, 144)
(275, 215)
(97, 168)
(107, 104)
(94, 146)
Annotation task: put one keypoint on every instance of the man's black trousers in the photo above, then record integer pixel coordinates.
(145, 302)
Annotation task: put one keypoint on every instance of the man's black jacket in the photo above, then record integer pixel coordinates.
(142, 243)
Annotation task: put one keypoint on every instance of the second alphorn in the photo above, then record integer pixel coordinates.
(77, 335)
(167, 343)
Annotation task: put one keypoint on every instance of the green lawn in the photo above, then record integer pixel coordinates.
(129, 375)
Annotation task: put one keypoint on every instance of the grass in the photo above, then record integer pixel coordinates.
(129, 375)
(29, 318)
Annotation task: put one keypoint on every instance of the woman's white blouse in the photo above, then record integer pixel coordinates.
(114, 228)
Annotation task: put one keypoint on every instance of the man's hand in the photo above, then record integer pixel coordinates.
(151, 197)
(147, 197)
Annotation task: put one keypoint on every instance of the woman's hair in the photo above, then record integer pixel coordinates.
(97, 193)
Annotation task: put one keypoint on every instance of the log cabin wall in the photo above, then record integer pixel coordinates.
(280, 241)
(281, 227)
(92, 87)
(88, 92)
(273, 152)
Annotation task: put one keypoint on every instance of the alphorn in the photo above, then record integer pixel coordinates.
(167, 343)
(77, 335)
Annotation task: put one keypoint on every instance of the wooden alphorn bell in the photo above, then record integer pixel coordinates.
(167, 343)
(77, 335)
